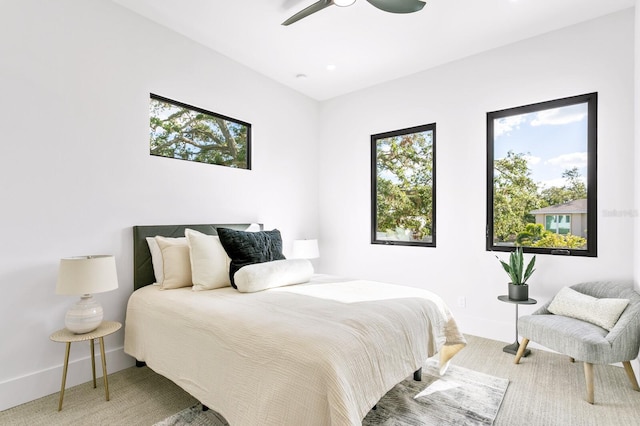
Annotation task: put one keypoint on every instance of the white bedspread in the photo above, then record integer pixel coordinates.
(321, 353)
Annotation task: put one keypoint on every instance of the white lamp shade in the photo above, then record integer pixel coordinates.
(343, 3)
(305, 249)
(87, 275)
(84, 275)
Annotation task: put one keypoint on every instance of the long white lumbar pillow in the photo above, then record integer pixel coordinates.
(278, 273)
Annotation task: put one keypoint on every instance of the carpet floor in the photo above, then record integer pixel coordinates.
(545, 389)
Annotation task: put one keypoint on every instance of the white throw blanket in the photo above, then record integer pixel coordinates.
(320, 353)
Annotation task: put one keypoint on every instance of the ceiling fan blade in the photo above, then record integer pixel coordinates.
(398, 6)
(316, 7)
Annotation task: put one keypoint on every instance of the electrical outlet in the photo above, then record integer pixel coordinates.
(462, 302)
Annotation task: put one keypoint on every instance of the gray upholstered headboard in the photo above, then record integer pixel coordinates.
(142, 266)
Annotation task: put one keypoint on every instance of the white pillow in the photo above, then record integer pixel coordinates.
(277, 273)
(156, 260)
(601, 312)
(209, 261)
(176, 266)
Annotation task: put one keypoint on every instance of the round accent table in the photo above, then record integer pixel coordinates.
(68, 337)
(513, 348)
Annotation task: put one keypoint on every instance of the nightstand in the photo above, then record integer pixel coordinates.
(68, 337)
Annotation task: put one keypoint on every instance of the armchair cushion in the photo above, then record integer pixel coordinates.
(578, 339)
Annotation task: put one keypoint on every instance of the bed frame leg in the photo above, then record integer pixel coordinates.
(417, 375)
(205, 408)
(140, 363)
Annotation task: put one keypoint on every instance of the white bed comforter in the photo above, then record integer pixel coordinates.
(320, 353)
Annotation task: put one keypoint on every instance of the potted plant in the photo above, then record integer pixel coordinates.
(518, 287)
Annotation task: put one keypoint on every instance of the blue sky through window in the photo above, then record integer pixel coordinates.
(552, 140)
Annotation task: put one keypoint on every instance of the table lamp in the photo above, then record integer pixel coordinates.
(305, 249)
(84, 275)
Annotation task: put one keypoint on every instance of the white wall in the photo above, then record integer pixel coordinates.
(594, 56)
(76, 173)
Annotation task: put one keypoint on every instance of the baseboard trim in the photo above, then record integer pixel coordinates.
(20, 390)
(502, 331)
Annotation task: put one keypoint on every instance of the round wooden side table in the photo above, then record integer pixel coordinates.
(513, 348)
(68, 337)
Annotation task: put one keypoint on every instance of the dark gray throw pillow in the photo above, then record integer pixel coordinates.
(247, 248)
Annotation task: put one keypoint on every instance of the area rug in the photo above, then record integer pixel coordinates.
(459, 397)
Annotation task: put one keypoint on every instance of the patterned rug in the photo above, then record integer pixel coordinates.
(460, 397)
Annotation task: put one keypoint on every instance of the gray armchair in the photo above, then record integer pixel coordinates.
(584, 341)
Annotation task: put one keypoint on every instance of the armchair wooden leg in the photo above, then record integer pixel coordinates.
(521, 350)
(632, 377)
(588, 377)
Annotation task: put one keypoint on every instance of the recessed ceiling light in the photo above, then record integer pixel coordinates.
(331, 67)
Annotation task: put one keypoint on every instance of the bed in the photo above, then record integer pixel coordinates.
(322, 352)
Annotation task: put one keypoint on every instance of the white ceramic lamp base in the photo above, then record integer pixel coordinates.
(84, 316)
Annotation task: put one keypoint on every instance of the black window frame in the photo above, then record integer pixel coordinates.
(374, 185)
(591, 99)
(248, 162)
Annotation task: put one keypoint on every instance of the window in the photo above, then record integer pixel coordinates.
(541, 177)
(403, 198)
(185, 132)
(559, 224)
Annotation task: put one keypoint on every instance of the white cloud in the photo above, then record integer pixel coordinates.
(559, 182)
(558, 116)
(532, 160)
(507, 124)
(569, 161)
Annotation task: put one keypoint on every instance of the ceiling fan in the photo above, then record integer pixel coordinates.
(393, 6)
